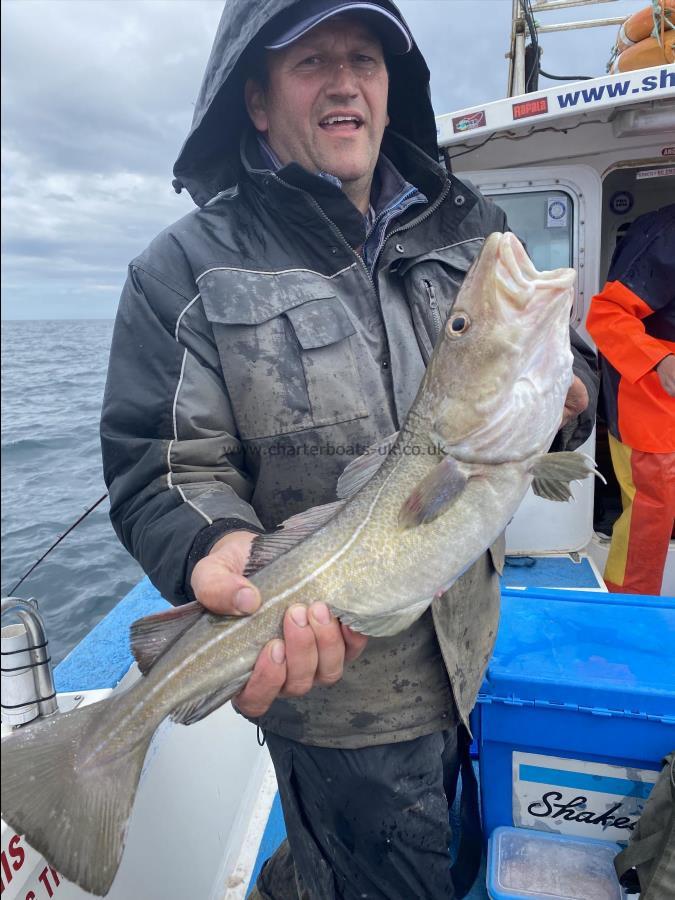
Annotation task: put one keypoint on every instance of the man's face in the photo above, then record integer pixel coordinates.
(336, 70)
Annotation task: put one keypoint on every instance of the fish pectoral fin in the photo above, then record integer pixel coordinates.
(267, 547)
(196, 710)
(553, 472)
(152, 636)
(434, 494)
(382, 624)
(359, 472)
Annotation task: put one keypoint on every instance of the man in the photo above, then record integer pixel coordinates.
(260, 342)
(632, 320)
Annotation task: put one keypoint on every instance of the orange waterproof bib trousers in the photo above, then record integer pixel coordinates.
(642, 533)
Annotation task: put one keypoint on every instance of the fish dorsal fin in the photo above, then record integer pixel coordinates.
(268, 547)
(196, 710)
(359, 472)
(553, 472)
(434, 493)
(383, 624)
(152, 636)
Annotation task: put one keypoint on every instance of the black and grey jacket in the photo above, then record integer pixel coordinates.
(254, 355)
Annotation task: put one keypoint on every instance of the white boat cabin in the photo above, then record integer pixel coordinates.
(572, 166)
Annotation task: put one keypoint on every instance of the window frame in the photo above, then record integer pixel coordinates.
(583, 187)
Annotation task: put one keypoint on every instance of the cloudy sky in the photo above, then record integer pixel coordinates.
(97, 97)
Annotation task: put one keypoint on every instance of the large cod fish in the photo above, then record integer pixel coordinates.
(414, 514)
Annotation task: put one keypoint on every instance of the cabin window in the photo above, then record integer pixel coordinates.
(544, 221)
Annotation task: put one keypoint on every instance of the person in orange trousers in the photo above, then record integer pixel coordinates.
(632, 321)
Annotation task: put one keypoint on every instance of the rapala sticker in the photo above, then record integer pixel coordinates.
(556, 212)
(656, 173)
(621, 202)
(530, 108)
(572, 796)
(468, 122)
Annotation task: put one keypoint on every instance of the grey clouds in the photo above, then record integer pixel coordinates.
(97, 100)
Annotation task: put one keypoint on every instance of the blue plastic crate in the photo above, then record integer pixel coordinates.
(576, 711)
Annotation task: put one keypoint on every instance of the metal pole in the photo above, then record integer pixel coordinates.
(515, 14)
(517, 54)
(545, 5)
(589, 23)
(519, 69)
(28, 612)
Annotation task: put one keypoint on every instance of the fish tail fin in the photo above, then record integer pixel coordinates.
(70, 796)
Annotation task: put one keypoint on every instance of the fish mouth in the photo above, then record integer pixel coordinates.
(518, 280)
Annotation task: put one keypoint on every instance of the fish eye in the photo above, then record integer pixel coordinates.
(458, 324)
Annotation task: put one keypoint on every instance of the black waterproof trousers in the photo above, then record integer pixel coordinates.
(366, 824)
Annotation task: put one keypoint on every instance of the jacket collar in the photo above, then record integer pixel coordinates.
(295, 193)
(291, 189)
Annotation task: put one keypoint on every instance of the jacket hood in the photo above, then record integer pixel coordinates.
(209, 161)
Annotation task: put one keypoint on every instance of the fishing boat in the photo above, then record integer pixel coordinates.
(572, 165)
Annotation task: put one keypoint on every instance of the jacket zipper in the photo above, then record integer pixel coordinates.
(433, 305)
(338, 234)
(334, 229)
(421, 218)
(383, 237)
(429, 211)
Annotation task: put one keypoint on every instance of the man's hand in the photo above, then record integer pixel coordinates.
(576, 401)
(315, 645)
(666, 372)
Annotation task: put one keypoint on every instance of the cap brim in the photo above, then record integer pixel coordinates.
(394, 34)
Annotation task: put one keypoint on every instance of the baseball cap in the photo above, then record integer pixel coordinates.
(393, 32)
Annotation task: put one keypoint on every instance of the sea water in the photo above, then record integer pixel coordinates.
(53, 377)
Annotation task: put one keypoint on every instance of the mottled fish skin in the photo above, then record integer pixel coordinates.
(503, 355)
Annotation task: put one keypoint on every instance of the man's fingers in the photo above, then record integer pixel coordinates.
(262, 688)
(330, 644)
(355, 643)
(576, 401)
(314, 650)
(221, 590)
(217, 580)
(302, 656)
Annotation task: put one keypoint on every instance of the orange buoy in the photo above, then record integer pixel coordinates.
(648, 52)
(640, 25)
